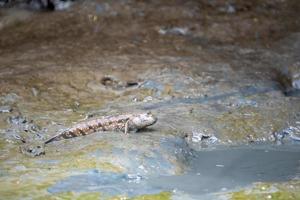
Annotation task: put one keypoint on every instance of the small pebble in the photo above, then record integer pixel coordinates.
(5, 109)
(147, 99)
(34, 91)
(20, 168)
(174, 31)
(17, 120)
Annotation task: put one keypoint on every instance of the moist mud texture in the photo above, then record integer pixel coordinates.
(222, 77)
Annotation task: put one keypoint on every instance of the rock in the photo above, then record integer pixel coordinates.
(49, 4)
(5, 109)
(295, 137)
(228, 8)
(289, 79)
(24, 130)
(20, 168)
(3, 2)
(197, 136)
(148, 99)
(33, 149)
(62, 5)
(153, 85)
(290, 132)
(17, 120)
(115, 84)
(34, 91)
(197, 140)
(9, 98)
(110, 81)
(102, 8)
(174, 31)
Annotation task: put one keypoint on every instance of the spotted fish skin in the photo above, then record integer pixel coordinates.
(124, 123)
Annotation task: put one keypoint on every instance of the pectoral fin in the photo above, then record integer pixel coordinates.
(126, 127)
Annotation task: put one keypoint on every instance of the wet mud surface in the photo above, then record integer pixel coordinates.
(216, 74)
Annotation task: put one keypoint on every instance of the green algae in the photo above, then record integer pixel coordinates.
(71, 196)
(21, 189)
(264, 191)
(2, 144)
(89, 163)
(281, 195)
(238, 126)
(160, 196)
(3, 123)
(249, 123)
(98, 196)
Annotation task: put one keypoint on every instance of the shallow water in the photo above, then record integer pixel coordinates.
(230, 168)
(211, 171)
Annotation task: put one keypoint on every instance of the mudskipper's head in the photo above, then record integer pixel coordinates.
(143, 120)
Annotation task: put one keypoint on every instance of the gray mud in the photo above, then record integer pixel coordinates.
(241, 92)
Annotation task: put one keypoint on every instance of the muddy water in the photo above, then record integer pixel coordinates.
(231, 168)
(209, 172)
